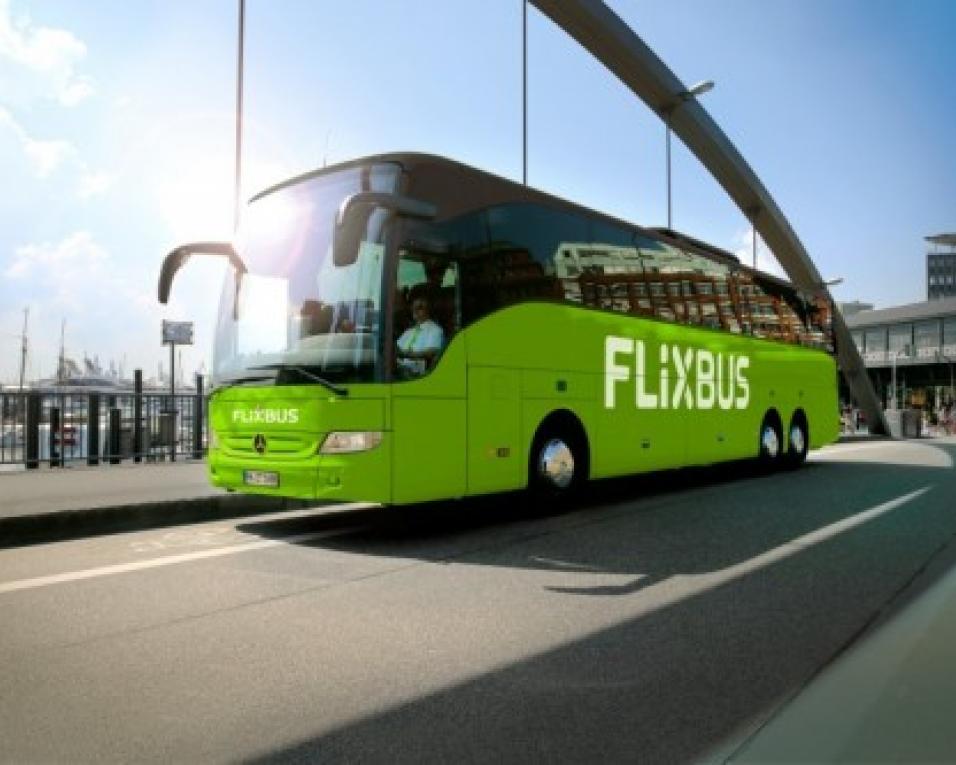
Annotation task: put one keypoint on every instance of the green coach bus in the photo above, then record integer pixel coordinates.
(404, 328)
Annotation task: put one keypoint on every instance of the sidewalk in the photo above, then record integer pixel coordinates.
(889, 698)
(50, 490)
(57, 503)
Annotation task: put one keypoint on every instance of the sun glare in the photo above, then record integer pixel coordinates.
(198, 204)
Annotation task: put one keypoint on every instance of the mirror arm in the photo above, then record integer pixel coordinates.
(345, 241)
(177, 258)
(405, 206)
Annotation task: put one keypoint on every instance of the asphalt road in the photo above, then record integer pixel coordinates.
(661, 622)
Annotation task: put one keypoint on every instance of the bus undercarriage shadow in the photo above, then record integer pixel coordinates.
(435, 520)
(646, 528)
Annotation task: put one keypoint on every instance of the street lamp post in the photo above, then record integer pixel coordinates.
(940, 356)
(894, 355)
(240, 47)
(699, 89)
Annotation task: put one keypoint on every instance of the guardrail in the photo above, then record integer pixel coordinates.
(57, 428)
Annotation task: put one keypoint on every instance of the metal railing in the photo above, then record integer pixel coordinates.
(56, 428)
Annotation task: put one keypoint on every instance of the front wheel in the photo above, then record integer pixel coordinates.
(557, 468)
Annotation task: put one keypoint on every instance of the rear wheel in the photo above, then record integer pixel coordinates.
(770, 451)
(798, 441)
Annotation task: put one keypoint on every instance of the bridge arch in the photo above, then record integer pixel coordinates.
(612, 42)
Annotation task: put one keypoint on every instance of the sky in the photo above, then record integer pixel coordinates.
(117, 136)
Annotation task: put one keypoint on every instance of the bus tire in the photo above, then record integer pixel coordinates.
(558, 463)
(770, 442)
(798, 439)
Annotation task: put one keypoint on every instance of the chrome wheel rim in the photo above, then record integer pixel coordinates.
(770, 442)
(797, 440)
(556, 464)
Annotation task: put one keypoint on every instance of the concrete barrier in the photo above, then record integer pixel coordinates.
(905, 423)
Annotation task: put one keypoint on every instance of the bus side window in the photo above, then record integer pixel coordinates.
(528, 256)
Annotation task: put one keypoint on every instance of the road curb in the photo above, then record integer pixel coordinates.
(855, 438)
(81, 522)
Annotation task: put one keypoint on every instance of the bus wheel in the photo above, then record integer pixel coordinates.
(771, 441)
(558, 465)
(798, 439)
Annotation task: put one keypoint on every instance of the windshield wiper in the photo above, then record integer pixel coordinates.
(305, 373)
(238, 380)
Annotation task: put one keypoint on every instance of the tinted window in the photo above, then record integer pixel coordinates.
(540, 253)
(927, 334)
(901, 338)
(875, 340)
(527, 247)
(605, 271)
(949, 331)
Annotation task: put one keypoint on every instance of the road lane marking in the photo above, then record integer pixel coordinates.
(696, 584)
(837, 449)
(206, 538)
(715, 578)
(167, 560)
(794, 546)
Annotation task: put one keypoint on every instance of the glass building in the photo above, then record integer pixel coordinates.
(918, 341)
(941, 267)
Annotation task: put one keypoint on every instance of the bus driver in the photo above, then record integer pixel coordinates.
(421, 343)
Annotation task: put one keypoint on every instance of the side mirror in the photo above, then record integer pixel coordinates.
(178, 257)
(352, 217)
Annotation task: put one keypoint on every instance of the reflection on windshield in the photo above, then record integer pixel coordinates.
(295, 307)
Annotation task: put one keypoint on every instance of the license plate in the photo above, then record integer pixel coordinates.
(260, 478)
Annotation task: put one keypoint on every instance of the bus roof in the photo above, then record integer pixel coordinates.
(457, 188)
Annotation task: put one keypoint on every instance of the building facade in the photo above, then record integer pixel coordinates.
(909, 352)
(849, 309)
(941, 267)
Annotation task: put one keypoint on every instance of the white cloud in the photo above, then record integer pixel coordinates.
(76, 255)
(44, 156)
(108, 313)
(744, 250)
(94, 184)
(49, 54)
(78, 90)
(47, 156)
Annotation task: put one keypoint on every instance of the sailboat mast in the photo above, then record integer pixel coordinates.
(23, 347)
(61, 364)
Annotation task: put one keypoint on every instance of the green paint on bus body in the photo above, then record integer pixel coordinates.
(649, 394)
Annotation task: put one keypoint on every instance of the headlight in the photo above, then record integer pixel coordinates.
(343, 442)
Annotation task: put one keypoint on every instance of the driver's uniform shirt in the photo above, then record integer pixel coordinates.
(427, 336)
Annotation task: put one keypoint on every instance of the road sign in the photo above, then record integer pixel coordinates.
(177, 332)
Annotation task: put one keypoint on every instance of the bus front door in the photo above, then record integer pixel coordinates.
(428, 432)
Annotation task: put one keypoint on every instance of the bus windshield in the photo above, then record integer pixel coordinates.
(295, 310)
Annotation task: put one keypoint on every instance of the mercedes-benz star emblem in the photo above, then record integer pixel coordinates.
(259, 443)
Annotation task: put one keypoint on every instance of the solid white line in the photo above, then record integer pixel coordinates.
(835, 450)
(799, 544)
(710, 580)
(167, 560)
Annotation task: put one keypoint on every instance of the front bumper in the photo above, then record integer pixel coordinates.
(356, 477)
